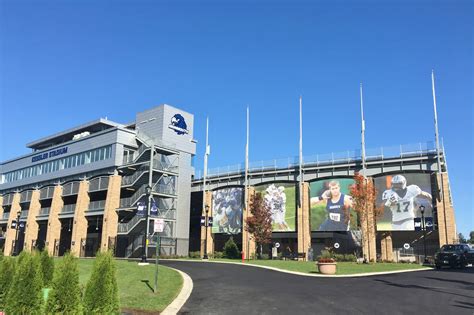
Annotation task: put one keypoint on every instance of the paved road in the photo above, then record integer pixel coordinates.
(234, 289)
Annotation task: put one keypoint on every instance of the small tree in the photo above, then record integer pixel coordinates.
(7, 270)
(230, 249)
(101, 295)
(25, 295)
(364, 196)
(65, 294)
(462, 239)
(47, 267)
(259, 224)
(471, 236)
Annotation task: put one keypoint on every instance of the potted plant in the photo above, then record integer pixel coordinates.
(327, 266)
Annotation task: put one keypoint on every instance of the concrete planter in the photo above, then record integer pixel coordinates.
(327, 268)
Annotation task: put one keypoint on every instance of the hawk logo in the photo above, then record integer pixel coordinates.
(178, 124)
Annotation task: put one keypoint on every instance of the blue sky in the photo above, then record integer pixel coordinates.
(67, 62)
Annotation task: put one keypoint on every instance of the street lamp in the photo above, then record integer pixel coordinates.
(423, 226)
(17, 229)
(206, 223)
(145, 243)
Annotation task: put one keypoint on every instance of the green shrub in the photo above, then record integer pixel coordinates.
(7, 271)
(47, 267)
(25, 295)
(195, 254)
(101, 295)
(65, 294)
(231, 250)
(350, 258)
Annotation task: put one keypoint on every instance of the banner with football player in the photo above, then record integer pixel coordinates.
(227, 204)
(401, 195)
(280, 199)
(331, 205)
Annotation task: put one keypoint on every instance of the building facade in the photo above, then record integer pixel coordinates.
(93, 186)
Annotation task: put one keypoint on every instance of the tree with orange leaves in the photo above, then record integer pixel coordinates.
(364, 195)
(259, 224)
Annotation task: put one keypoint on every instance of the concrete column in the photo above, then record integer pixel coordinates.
(32, 227)
(54, 224)
(11, 233)
(210, 237)
(386, 246)
(79, 230)
(446, 219)
(110, 223)
(248, 242)
(304, 227)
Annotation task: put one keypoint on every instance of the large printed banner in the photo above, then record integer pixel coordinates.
(227, 204)
(331, 205)
(401, 195)
(280, 199)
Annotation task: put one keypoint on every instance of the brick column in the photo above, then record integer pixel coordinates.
(367, 222)
(110, 223)
(248, 243)
(304, 228)
(11, 233)
(386, 246)
(1, 206)
(32, 227)
(79, 230)
(54, 224)
(446, 220)
(210, 239)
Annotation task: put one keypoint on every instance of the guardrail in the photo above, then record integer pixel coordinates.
(6, 215)
(70, 208)
(44, 211)
(401, 151)
(96, 205)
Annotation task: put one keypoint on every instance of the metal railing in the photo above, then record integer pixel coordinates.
(71, 189)
(158, 188)
(96, 205)
(8, 199)
(99, 183)
(130, 225)
(70, 208)
(47, 192)
(401, 151)
(6, 215)
(44, 211)
(26, 196)
(24, 213)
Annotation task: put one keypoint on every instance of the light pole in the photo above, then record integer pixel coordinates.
(423, 226)
(206, 223)
(145, 242)
(17, 229)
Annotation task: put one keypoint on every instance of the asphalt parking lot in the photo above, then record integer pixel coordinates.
(235, 289)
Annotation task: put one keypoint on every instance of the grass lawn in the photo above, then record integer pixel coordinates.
(343, 268)
(135, 284)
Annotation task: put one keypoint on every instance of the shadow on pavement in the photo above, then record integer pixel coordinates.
(468, 283)
(414, 286)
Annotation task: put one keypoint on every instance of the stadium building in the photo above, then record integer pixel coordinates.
(316, 213)
(93, 186)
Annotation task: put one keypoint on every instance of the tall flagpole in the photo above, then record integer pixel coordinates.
(438, 155)
(362, 130)
(301, 171)
(247, 210)
(206, 154)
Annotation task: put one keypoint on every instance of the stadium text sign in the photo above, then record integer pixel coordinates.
(49, 154)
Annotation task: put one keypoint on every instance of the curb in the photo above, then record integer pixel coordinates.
(183, 295)
(367, 274)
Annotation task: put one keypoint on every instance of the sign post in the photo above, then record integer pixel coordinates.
(158, 227)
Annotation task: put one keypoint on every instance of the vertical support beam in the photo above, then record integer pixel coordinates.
(304, 228)
(248, 243)
(32, 226)
(79, 230)
(54, 224)
(10, 235)
(210, 240)
(386, 246)
(1, 206)
(445, 213)
(110, 223)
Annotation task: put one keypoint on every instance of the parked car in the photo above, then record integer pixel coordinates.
(454, 255)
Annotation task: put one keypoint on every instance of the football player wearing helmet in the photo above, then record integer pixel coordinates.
(337, 206)
(401, 200)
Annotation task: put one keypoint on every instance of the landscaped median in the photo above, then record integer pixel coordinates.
(309, 267)
(135, 284)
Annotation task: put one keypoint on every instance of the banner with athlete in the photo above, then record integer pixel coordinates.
(280, 199)
(401, 195)
(227, 204)
(331, 205)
